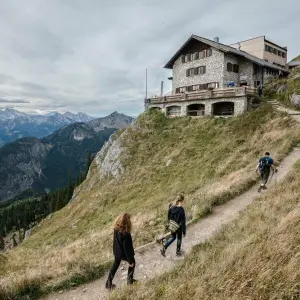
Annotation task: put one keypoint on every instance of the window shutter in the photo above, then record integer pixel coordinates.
(187, 73)
(196, 55)
(177, 90)
(204, 69)
(196, 71)
(229, 67)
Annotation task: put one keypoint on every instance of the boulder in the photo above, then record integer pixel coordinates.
(295, 99)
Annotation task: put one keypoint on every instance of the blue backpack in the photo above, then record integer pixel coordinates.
(264, 164)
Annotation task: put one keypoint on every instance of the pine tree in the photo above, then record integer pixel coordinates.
(89, 160)
(69, 190)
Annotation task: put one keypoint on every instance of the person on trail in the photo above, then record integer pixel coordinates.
(177, 226)
(122, 249)
(264, 166)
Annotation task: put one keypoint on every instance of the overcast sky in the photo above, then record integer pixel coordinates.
(91, 55)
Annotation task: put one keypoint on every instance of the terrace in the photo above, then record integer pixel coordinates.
(203, 95)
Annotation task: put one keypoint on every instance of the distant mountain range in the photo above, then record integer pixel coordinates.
(15, 125)
(44, 164)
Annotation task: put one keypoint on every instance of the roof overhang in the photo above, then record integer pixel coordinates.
(225, 49)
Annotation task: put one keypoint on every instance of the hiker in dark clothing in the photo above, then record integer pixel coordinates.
(122, 249)
(264, 166)
(177, 226)
(260, 90)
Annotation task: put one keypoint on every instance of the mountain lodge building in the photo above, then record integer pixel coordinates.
(210, 78)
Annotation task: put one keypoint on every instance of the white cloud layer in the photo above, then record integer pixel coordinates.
(91, 55)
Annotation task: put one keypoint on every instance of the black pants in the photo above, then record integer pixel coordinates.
(115, 267)
(264, 176)
(177, 234)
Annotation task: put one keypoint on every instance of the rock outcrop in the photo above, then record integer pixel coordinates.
(108, 160)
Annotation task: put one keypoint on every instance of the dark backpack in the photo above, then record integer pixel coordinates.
(263, 164)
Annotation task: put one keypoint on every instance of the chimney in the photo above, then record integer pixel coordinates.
(216, 39)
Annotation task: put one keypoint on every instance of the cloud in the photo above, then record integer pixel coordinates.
(13, 101)
(91, 56)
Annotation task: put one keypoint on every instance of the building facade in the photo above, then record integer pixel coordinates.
(209, 73)
(264, 49)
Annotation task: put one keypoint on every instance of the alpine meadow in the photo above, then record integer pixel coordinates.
(210, 160)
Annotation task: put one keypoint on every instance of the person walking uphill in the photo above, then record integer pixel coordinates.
(177, 226)
(264, 166)
(122, 249)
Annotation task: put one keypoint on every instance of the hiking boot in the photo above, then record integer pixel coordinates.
(264, 187)
(163, 251)
(259, 189)
(109, 285)
(179, 253)
(133, 281)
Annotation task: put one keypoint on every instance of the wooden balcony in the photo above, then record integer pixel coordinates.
(204, 94)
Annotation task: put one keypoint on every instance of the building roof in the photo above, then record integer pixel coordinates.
(294, 63)
(225, 49)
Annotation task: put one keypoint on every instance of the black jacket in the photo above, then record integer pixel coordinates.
(123, 247)
(177, 214)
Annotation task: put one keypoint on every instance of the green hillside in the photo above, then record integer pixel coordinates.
(254, 257)
(208, 159)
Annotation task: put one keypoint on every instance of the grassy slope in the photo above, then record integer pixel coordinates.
(287, 86)
(296, 58)
(255, 257)
(210, 160)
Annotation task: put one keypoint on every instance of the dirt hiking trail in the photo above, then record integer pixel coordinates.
(149, 261)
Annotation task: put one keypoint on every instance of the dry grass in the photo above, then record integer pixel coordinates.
(255, 257)
(210, 160)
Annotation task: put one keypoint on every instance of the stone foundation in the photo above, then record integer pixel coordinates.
(179, 109)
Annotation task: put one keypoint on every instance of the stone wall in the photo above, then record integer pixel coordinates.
(214, 70)
(240, 105)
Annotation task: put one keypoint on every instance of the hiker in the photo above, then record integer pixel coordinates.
(176, 217)
(264, 166)
(260, 90)
(122, 249)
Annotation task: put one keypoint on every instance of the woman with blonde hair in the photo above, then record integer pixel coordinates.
(177, 226)
(122, 249)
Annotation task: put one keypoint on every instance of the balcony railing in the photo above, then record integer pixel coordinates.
(205, 94)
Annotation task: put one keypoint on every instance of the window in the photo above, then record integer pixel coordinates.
(266, 47)
(208, 52)
(196, 71)
(213, 85)
(196, 55)
(202, 70)
(283, 54)
(232, 67)
(189, 72)
(180, 90)
(235, 68)
(183, 59)
(193, 88)
(255, 69)
(188, 57)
